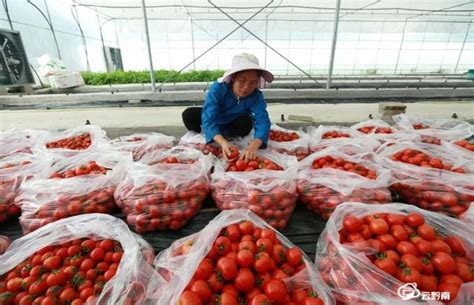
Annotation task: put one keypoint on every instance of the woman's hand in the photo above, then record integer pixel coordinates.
(227, 148)
(250, 152)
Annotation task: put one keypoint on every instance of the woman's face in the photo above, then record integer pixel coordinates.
(245, 82)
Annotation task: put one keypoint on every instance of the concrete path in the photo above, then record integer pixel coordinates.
(151, 117)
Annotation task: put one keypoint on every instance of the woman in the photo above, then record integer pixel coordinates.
(233, 105)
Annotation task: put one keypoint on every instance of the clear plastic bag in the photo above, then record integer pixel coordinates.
(73, 141)
(325, 136)
(179, 268)
(383, 132)
(19, 141)
(198, 141)
(14, 171)
(76, 165)
(159, 196)
(433, 131)
(463, 148)
(439, 190)
(134, 274)
(46, 200)
(140, 143)
(271, 194)
(298, 147)
(354, 279)
(385, 152)
(321, 190)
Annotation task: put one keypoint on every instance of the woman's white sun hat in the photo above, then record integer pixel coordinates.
(246, 61)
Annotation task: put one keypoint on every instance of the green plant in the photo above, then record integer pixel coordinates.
(138, 77)
(371, 72)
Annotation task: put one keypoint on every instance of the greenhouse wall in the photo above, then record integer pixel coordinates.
(38, 38)
(364, 47)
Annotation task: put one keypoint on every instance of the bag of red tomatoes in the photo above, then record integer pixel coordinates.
(14, 141)
(165, 189)
(383, 132)
(198, 141)
(396, 254)
(81, 184)
(86, 259)
(14, 171)
(462, 148)
(266, 186)
(140, 143)
(288, 142)
(330, 177)
(73, 141)
(434, 131)
(429, 176)
(324, 136)
(238, 259)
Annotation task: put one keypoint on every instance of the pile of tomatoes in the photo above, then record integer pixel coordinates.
(173, 160)
(282, 136)
(156, 205)
(206, 148)
(419, 158)
(435, 196)
(323, 200)
(345, 165)
(430, 140)
(275, 206)
(407, 248)
(79, 142)
(9, 185)
(240, 165)
(283, 146)
(375, 129)
(334, 134)
(418, 126)
(39, 209)
(72, 273)
(145, 148)
(247, 265)
(465, 144)
(91, 168)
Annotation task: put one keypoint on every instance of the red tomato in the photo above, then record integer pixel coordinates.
(294, 256)
(244, 280)
(351, 224)
(443, 262)
(275, 290)
(378, 226)
(227, 268)
(189, 298)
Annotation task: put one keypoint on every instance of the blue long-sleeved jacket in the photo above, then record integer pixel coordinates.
(222, 107)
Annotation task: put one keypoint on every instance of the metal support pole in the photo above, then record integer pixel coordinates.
(462, 48)
(218, 42)
(103, 44)
(266, 37)
(150, 59)
(401, 45)
(333, 45)
(192, 42)
(52, 28)
(262, 41)
(84, 42)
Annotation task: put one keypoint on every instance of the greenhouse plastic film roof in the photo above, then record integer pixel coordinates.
(382, 36)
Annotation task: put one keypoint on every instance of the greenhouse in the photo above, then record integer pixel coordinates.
(268, 152)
